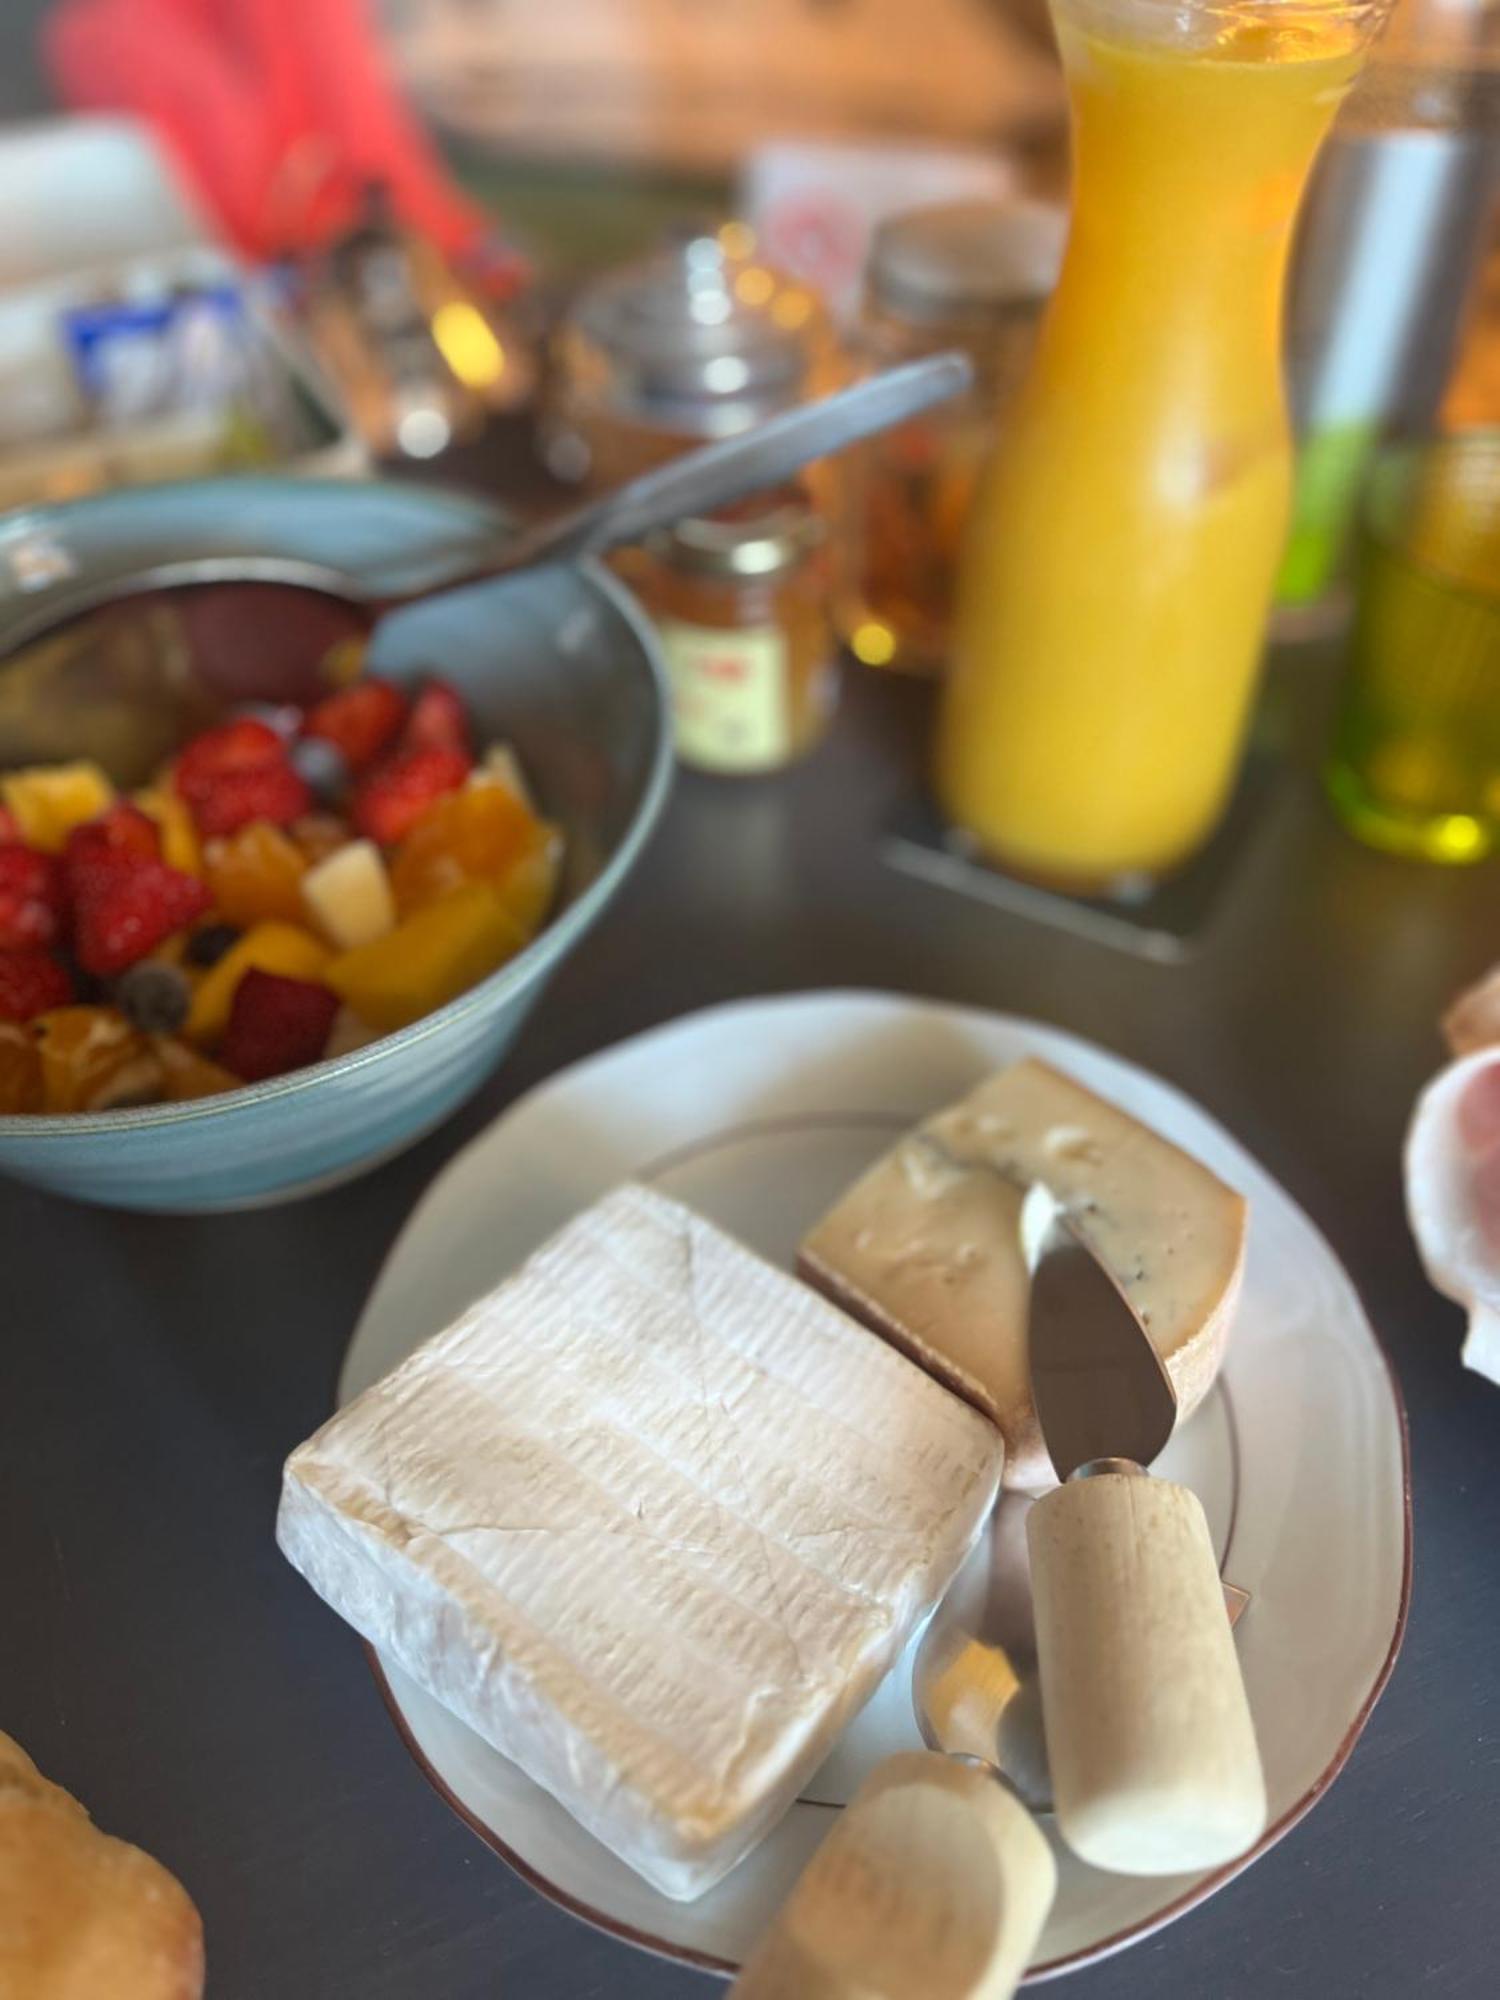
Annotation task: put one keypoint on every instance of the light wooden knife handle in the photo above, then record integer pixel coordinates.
(935, 1881)
(1155, 1769)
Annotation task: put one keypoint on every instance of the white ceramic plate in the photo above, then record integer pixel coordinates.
(757, 1115)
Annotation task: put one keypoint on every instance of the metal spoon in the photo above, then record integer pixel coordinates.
(57, 587)
(751, 462)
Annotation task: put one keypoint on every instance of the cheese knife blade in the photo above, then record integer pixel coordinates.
(1097, 1381)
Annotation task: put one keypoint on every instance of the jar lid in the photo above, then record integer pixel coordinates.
(756, 537)
(699, 325)
(966, 257)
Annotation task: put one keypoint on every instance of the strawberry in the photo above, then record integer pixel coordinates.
(438, 716)
(272, 791)
(276, 1024)
(393, 797)
(33, 896)
(236, 773)
(125, 904)
(359, 721)
(233, 746)
(124, 828)
(31, 982)
(10, 826)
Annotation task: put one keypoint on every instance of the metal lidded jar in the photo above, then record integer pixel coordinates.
(697, 342)
(973, 275)
(742, 604)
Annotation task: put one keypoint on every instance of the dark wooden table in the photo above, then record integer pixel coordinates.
(158, 1656)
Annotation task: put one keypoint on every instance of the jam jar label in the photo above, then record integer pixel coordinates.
(729, 695)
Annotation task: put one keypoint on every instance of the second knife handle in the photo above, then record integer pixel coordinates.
(935, 1880)
(1155, 1767)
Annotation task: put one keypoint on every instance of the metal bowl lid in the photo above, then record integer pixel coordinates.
(697, 323)
(966, 257)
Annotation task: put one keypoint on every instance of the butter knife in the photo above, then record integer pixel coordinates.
(1155, 1767)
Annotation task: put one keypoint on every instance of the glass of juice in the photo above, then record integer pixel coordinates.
(1415, 764)
(1121, 556)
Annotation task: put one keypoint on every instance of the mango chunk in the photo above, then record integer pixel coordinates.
(280, 948)
(179, 837)
(49, 800)
(433, 956)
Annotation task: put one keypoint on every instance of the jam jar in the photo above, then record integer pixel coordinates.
(742, 604)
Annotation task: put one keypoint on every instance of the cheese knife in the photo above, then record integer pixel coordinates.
(1154, 1763)
(935, 1879)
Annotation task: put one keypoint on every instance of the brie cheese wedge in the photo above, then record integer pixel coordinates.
(654, 1519)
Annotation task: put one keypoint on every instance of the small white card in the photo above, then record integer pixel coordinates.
(815, 205)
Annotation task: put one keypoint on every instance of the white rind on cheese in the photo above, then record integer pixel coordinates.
(928, 1246)
(654, 1519)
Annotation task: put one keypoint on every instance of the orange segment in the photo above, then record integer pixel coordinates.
(256, 875)
(20, 1069)
(190, 1075)
(93, 1060)
(318, 835)
(484, 833)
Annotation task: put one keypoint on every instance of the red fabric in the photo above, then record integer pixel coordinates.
(280, 115)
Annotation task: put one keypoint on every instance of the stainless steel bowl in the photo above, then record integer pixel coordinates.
(558, 662)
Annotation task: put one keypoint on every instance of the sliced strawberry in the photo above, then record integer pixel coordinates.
(276, 1024)
(237, 773)
(33, 896)
(359, 721)
(271, 791)
(31, 983)
(233, 746)
(438, 716)
(393, 797)
(125, 904)
(124, 828)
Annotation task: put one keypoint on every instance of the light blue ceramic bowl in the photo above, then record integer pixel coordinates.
(559, 663)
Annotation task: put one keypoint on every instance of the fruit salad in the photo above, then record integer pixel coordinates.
(291, 886)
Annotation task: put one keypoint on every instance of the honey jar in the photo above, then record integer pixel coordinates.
(971, 275)
(698, 341)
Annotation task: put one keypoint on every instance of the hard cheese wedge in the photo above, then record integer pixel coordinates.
(926, 1248)
(654, 1519)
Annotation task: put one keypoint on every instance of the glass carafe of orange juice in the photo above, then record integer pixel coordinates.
(1123, 549)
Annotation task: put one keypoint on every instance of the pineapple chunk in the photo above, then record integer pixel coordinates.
(349, 896)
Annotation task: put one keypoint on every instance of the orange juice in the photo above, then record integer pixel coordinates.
(1122, 552)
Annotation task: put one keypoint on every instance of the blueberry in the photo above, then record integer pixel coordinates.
(153, 996)
(208, 945)
(323, 766)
